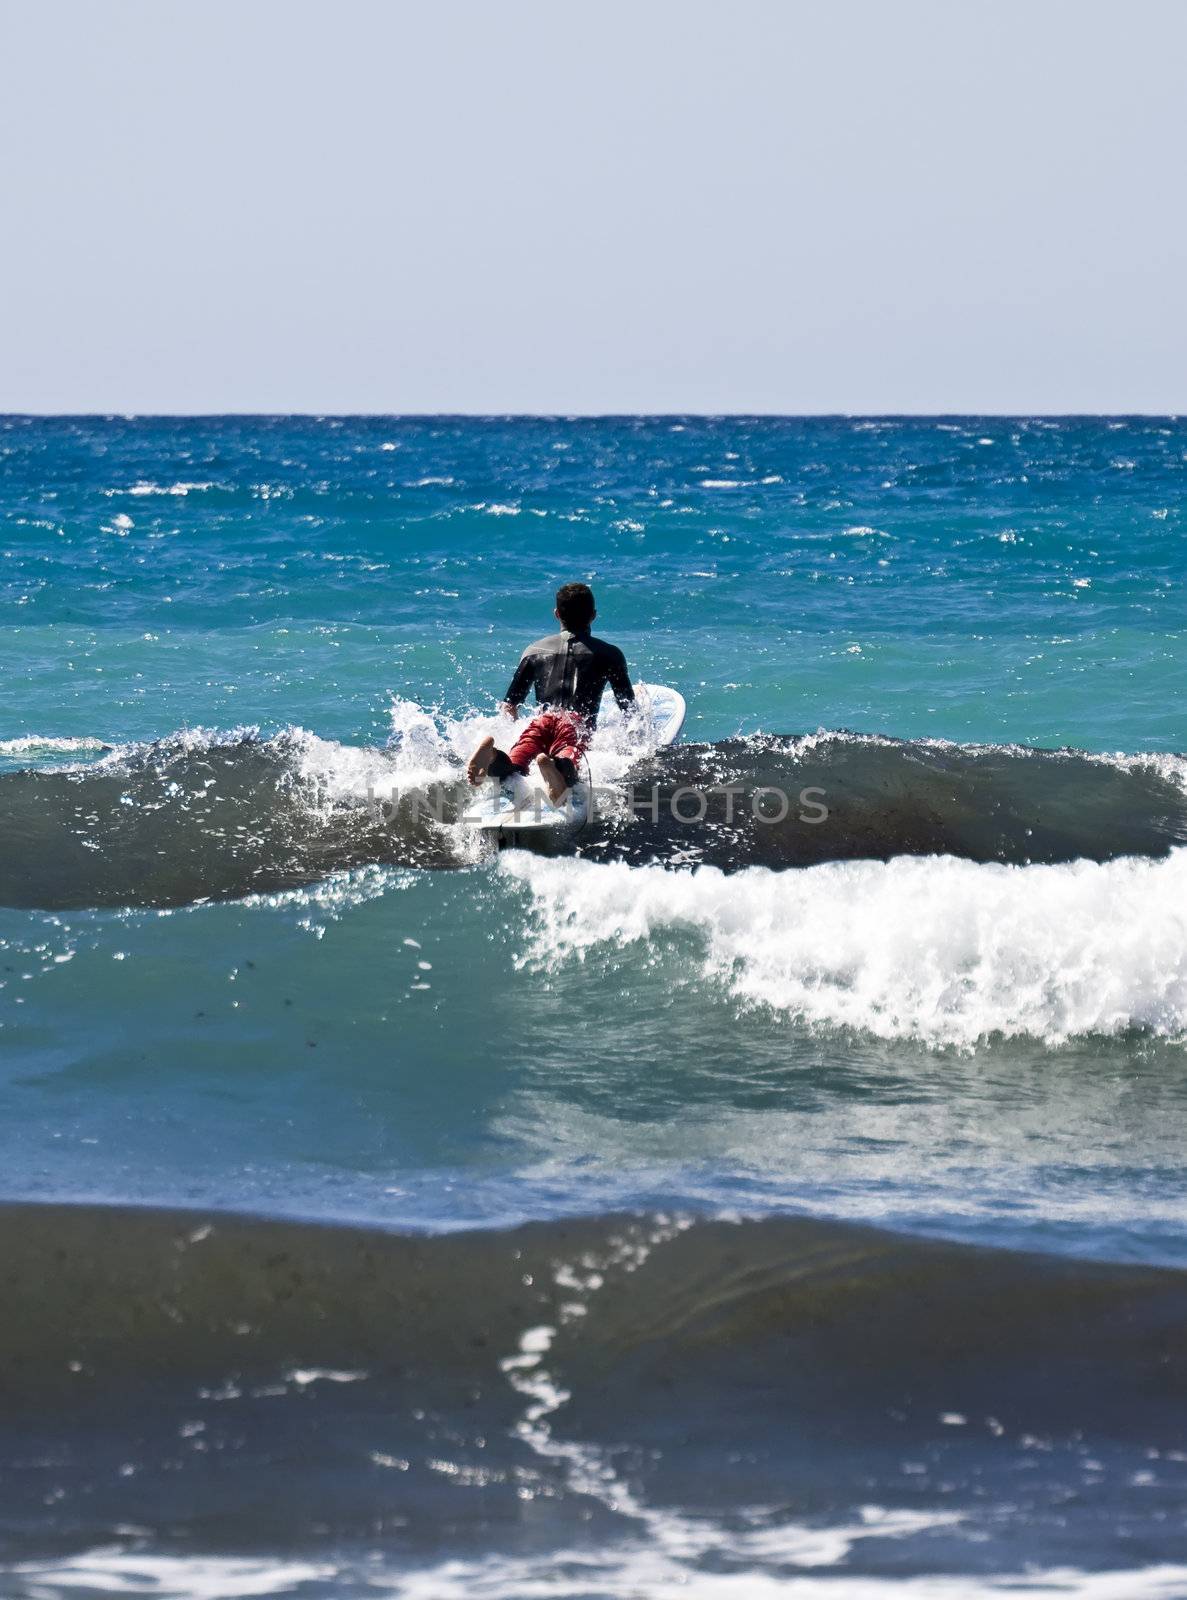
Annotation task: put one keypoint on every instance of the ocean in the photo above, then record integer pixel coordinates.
(723, 1200)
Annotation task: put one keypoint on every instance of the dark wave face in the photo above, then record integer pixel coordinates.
(520, 1391)
(194, 818)
(836, 797)
(189, 819)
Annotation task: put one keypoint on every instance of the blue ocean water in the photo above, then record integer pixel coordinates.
(694, 1062)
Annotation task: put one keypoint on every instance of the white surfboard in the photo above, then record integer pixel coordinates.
(663, 711)
(521, 804)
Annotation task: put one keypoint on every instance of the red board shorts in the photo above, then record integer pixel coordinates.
(563, 735)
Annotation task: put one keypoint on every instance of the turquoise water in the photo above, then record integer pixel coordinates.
(1000, 580)
(955, 1011)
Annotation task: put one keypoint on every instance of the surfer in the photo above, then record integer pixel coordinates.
(568, 671)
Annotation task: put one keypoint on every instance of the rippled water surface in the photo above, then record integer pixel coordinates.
(694, 1061)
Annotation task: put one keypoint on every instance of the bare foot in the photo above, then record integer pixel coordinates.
(553, 782)
(480, 761)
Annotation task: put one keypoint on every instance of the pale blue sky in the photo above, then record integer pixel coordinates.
(532, 205)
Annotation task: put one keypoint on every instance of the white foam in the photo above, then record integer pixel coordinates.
(626, 1572)
(342, 771)
(108, 1571)
(931, 948)
(651, 1573)
(426, 747)
(35, 744)
(423, 748)
(145, 487)
(328, 900)
(304, 1376)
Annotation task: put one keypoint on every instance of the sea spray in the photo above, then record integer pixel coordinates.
(945, 951)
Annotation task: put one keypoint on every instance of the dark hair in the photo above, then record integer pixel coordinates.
(575, 605)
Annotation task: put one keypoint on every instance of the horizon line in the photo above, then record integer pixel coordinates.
(591, 416)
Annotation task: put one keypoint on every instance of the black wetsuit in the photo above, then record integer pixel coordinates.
(569, 671)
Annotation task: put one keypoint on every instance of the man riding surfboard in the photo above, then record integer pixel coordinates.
(568, 671)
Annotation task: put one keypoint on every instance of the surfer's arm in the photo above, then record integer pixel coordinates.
(619, 680)
(525, 672)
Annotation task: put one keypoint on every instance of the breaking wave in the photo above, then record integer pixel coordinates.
(203, 815)
(931, 948)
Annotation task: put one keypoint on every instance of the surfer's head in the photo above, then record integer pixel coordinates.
(575, 607)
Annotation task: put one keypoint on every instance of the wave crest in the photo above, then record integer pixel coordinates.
(203, 815)
(937, 949)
